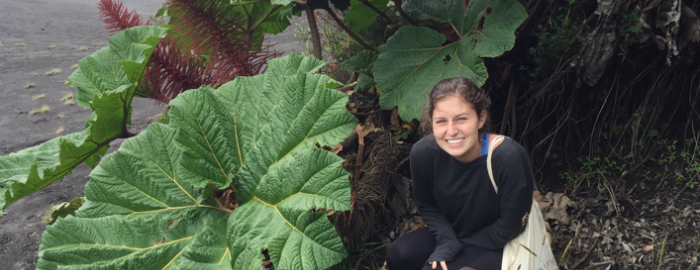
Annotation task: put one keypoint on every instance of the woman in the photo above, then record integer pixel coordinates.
(468, 222)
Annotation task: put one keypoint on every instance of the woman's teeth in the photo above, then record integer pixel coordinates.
(454, 141)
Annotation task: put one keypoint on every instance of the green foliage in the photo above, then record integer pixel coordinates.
(144, 206)
(362, 62)
(360, 17)
(106, 83)
(415, 58)
(558, 39)
(63, 210)
(270, 19)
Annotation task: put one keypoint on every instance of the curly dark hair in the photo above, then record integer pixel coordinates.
(461, 87)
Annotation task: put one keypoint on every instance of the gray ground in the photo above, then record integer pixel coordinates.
(37, 36)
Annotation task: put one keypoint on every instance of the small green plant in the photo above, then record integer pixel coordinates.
(628, 28)
(39, 96)
(670, 154)
(20, 44)
(695, 256)
(83, 48)
(52, 46)
(29, 85)
(74, 66)
(588, 165)
(661, 255)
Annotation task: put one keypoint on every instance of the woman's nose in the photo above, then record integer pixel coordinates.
(451, 129)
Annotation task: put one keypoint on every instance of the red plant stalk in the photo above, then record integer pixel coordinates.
(117, 17)
(206, 28)
(168, 73)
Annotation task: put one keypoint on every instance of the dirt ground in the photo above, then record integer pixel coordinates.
(37, 36)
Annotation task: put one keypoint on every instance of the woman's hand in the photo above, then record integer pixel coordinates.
(442, 264)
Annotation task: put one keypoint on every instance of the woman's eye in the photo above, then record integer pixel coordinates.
(461, 119)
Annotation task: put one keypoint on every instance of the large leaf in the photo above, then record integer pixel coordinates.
(142, 209)
(106, 81)
(269, 18)
(492, 25)
(415, 59)
(31, 169)
(444, 11)
(117, 67)
(360, 16)
(408, 67)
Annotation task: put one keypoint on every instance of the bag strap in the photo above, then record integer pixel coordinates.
(492, 146)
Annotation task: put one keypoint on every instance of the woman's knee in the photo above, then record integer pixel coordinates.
(410, 250)
(396, 254)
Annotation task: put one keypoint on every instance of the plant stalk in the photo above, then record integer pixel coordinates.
(397, 4)
(315, 37)
(347, 30)
(386, 18)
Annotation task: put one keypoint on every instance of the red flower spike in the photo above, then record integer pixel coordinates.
(117, 17)
(205, 27)
(168, 73)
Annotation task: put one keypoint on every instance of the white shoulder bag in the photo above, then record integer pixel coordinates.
(531, 249)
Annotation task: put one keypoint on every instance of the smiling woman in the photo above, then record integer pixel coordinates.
(469, 223)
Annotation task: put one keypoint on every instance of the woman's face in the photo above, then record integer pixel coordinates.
(456, 128)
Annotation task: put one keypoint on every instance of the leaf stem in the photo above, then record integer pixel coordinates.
(386, 18)
(267, 15)
(397, 4)
(347, 30)
(315, 37)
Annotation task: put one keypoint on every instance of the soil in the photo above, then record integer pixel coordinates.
(37, 36)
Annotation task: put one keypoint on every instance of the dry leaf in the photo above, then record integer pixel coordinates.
(44, 108)
(53, 71)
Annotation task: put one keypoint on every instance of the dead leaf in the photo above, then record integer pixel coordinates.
(557, 210)
(648, 248)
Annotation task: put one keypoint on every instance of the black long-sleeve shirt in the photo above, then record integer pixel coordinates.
(458, 202)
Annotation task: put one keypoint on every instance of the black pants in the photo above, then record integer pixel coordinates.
(411, 251)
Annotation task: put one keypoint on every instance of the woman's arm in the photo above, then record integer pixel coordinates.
(513, 175)
(447, 243)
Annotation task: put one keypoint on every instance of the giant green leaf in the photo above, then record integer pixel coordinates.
(407, 68)
(415, 58)
(142, 209)
(117, 67)
(106, 81)
(492, 25)
(360, 16)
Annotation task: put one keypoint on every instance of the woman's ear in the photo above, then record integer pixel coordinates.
(482, 118)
